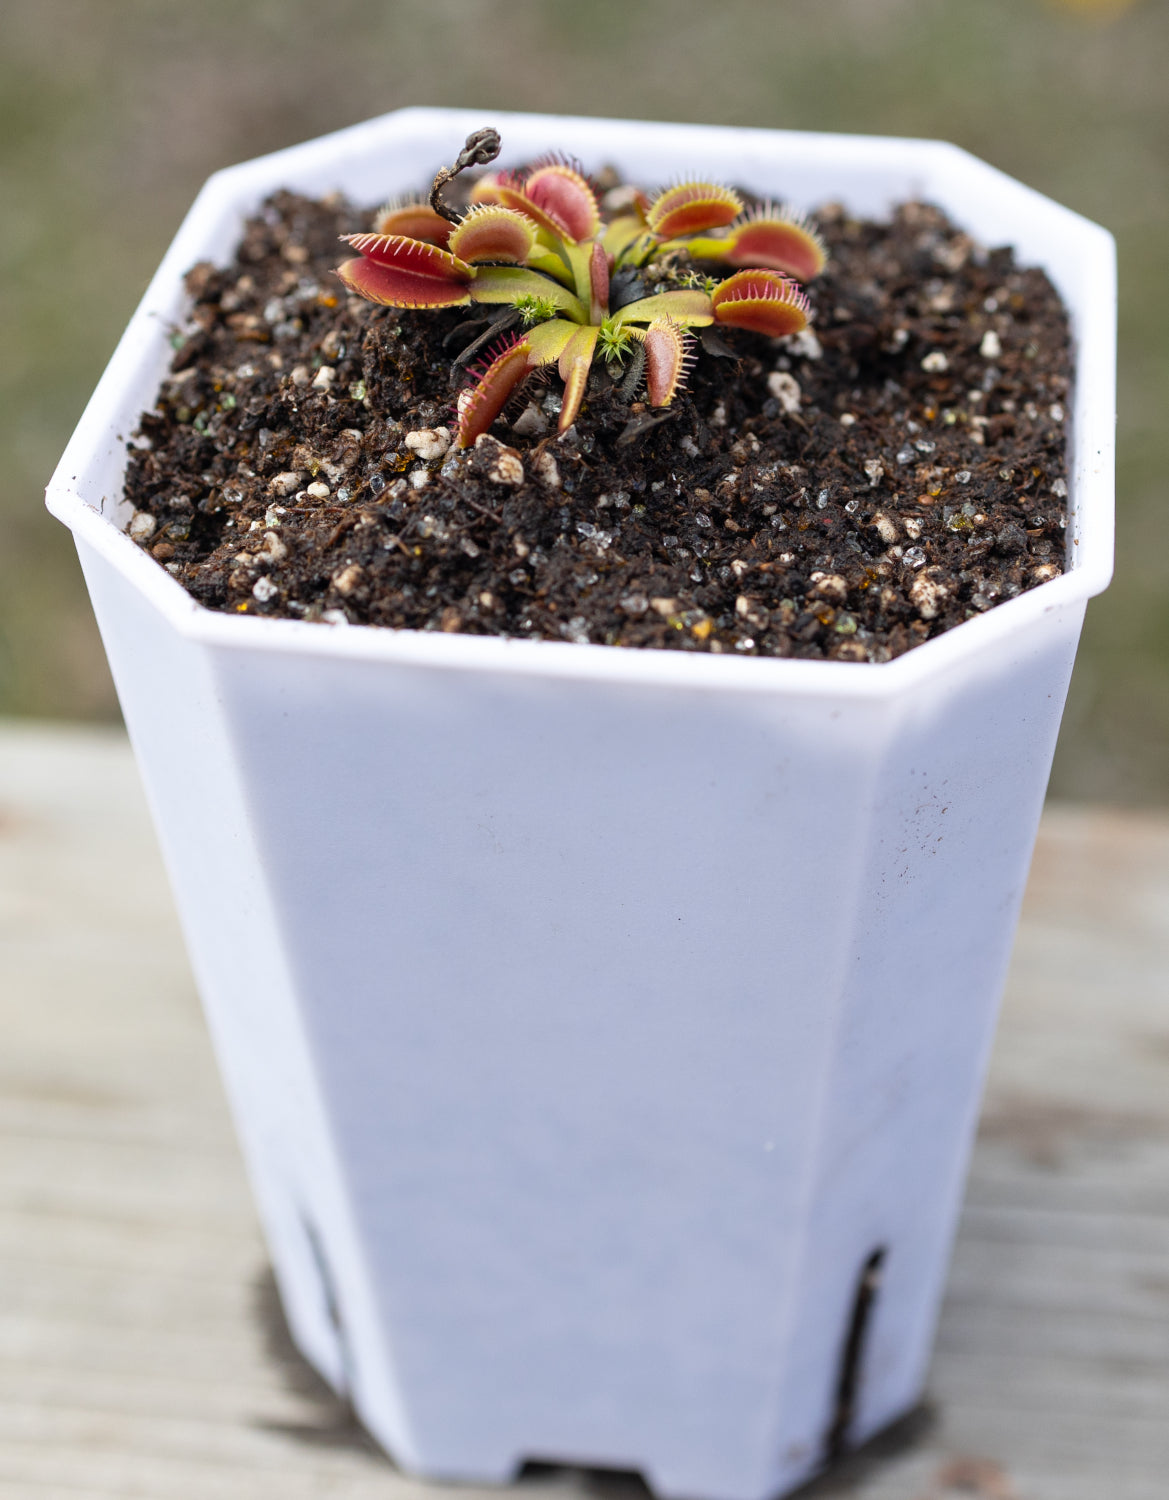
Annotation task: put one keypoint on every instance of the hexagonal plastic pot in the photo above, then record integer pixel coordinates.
(592, 1019)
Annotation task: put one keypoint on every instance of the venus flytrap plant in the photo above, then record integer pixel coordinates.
(537, 244)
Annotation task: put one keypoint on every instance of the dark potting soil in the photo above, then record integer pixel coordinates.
(845, 493)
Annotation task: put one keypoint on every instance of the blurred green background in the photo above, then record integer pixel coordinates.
(112, 112)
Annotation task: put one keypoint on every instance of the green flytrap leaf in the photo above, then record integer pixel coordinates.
(510, 283)
(690, 307)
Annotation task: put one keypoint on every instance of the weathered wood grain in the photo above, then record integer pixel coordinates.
(141, 1348)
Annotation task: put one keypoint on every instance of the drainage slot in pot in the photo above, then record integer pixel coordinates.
(848, 1383)
(598, 1480)
(330, 1300)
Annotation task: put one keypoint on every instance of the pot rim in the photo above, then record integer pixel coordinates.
(231, 193)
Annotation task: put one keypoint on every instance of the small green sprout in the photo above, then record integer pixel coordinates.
(614, 341)
(534, 309)
(582, 286)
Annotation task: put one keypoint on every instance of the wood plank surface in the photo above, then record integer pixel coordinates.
(142, 1352)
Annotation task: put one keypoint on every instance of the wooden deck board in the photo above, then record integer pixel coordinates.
(142, 1352)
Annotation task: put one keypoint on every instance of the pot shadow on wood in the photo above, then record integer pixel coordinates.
(329, 1421)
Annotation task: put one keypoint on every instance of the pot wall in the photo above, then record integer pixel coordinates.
(590, 1018)
(597, 1179)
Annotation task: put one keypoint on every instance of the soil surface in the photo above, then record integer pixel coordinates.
(846, 493)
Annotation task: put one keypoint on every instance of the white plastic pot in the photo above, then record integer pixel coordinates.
(593, 1018)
